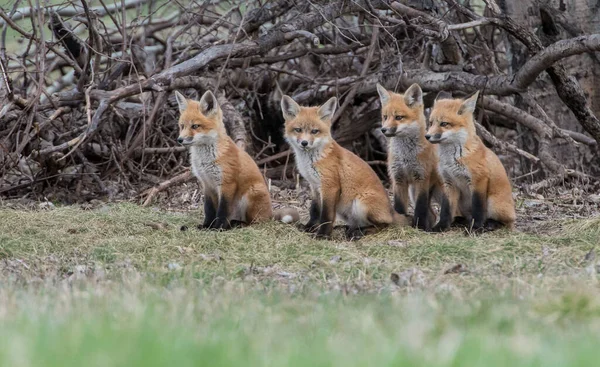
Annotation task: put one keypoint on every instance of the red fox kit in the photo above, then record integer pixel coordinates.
(476, 185)
(341, 183)
(234, 190)
(412, 161)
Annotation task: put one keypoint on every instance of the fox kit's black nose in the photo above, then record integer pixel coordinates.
(427, 136)
(180, 140)
(384, 130)
(304, 143)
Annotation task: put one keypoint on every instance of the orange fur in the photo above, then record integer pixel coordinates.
(341, 183)
(476, 183)
(235, 192)
(412, 160)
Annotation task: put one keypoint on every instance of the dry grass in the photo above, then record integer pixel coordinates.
(100, 285)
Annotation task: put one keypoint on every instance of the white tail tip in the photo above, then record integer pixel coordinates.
(287, 219)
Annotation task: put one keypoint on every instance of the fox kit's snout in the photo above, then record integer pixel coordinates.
(200, 121)
(451, 121)
(402, 115)
(307, 128)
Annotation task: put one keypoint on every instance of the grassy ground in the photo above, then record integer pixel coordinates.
(121, 285)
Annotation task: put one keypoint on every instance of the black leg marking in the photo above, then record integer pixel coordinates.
(222, 220)
(492, 225)
(445, 215)
(461, 222)
(356, 234)
(210, 212)
(399, 206)
(315, 212)
(478, 210)
(421, 212)
(325, 222)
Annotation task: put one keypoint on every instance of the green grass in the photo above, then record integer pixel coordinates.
(105, 288)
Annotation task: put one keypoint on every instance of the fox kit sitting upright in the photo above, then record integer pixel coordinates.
(412, 161)
(341, 182)
(234, 190)
(475, 182)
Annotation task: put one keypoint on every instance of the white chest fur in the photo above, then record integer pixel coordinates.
(204, 165)
(451, 169)
(404, 163)
(305, 161)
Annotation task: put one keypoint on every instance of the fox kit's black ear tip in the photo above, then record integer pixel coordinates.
(469, 104)
(443, 95)
(474, 95)
(414, 86)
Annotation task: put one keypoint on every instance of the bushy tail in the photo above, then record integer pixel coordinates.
(401, 220)
(286, 215)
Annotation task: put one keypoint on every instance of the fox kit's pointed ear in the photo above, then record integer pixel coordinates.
(289, 107)
(181, 101)
(327, 110)
(384, 95)
(468, 106)
(443, 95)
(413, 95)
(208, 103)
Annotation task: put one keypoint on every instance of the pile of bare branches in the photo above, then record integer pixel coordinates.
(87, 103)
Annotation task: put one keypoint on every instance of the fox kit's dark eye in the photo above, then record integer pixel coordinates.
(398, 117)
(194, 126)
(298, 130)
(385, 117)
(314, 131)
(444, 124)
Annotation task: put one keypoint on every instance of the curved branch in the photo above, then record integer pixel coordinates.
(551, 54)
(26, 12)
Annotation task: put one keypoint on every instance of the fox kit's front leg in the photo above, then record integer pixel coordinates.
(448, 208)
(328, 206)
(210, 209)
(422, 205)
(315, 213)
(401, 196)
(223, 209)
(479, 202)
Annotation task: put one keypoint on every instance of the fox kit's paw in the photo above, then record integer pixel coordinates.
(322, 236)
(311, 227)
(460, 222)
(492, 225)
(354, 234)
(439, 228)
(221, 224)
(324, 232)
(422, 225)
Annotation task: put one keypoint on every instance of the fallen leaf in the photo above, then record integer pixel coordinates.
(396, 243)
(457, 269)
(395, 278)
(335, 259)
(155, 225)
(590, 256)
